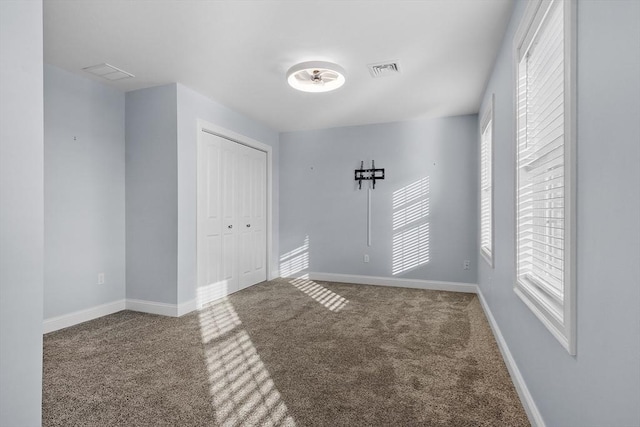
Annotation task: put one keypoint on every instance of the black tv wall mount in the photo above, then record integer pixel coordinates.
(368, 174)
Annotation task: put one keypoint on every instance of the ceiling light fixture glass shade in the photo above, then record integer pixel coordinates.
(316, 76)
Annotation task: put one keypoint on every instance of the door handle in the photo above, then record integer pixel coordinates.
(230, 226)
(248, 225)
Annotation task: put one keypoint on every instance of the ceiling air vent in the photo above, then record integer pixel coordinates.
(107, 71)
(384, 69)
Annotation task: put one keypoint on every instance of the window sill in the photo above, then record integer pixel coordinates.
(538, 307)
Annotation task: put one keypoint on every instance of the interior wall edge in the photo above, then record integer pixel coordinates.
(22, 212)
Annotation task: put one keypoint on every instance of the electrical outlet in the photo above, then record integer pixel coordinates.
(366, 258)
(467, 264)
(100, 278)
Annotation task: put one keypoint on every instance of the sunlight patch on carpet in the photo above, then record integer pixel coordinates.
(324, 296)
(241, 388)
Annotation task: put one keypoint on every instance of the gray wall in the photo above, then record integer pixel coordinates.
(320, 199)
(161, 149)
(601, 384)
(84, 193)
(21, 216)
(193, 106)
(151, 194)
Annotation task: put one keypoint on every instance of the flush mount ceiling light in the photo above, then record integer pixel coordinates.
(315, 76)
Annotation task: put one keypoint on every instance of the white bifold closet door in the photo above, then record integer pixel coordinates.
(232, 184)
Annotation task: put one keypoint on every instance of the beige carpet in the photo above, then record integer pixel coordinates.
(286, 352)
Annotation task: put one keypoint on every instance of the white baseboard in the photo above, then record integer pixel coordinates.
(535, 417)
(186, 307)
(152, 307)
(161, 308)
(81, 316)
(395, 282)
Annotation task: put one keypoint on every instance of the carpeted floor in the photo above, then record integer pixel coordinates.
(286, 352)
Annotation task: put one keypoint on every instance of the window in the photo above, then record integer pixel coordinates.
(544, 160)
(486, 184)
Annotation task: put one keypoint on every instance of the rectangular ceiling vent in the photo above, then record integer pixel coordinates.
(108, 72)
(384, 69)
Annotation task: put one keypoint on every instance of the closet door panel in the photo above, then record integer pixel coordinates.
(217, 275)
(229, 181)
(259, 202)
(229, 259)
(245, 260)
(214, 253)
(209, 213)
(245, 215)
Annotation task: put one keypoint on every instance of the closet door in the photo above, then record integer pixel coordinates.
(259, 221)
(217, 237)
(252, 185)
(229, 258)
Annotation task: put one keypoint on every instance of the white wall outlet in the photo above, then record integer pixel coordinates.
(467, 264)
(366, 258)
(100, 278)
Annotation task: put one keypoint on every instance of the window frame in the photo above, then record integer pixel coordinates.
(487, 119)
(564, 331)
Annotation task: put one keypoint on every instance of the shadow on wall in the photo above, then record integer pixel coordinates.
(295, 265)
(410, 245)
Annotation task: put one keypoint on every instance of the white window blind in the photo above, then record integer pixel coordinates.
(486, 186)
(542, 231)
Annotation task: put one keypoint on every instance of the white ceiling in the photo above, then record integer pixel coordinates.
(238, 52)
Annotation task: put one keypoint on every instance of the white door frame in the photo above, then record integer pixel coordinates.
(208, 127)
